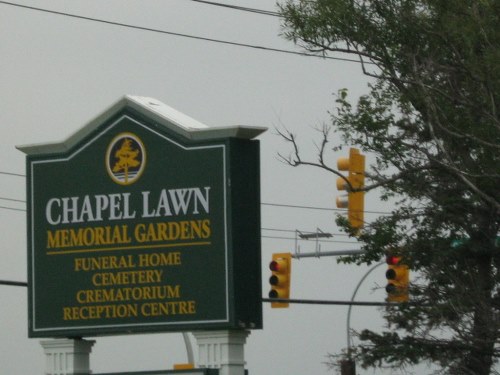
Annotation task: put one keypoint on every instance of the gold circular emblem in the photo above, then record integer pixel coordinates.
(125, 158)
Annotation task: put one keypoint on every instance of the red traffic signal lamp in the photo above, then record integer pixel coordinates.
(353, 184)
(398, 278)
(281, 268)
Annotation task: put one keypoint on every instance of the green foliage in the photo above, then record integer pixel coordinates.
(431, 122)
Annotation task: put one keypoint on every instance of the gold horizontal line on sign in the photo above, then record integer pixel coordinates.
(80, 251)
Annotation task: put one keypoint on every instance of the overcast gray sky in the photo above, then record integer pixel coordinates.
(58, 72)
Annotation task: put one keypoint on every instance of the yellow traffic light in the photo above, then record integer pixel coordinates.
(353, 183)
(281, 267)
(398, 278)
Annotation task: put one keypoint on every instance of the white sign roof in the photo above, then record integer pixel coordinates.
(161, 113)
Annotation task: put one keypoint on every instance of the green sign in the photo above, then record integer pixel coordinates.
(138, 223)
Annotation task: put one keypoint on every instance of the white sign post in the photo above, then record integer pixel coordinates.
(67, 356)
(223, 350)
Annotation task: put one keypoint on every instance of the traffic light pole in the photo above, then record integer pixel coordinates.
(348, 366)
(189, 347)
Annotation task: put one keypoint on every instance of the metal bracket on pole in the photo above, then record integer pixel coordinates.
(297, 246)
(318, 253)
(307, 236)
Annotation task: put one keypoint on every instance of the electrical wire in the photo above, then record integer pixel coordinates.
(262, 204)
(320, 208)
(237, 7)
(149, 29)
(272, 300)
(264, 229)
(13, 283)
(12, 174)
(327, 302)
(12, 208)
(262, 236)
(12, 200)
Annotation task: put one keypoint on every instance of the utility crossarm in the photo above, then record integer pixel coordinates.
(318, 234)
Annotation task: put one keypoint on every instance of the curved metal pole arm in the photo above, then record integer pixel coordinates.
(350, 306)
(189, 347)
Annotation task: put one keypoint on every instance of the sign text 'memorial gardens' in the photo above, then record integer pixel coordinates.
(117, 207)
(144, 220)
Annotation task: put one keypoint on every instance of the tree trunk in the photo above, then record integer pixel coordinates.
(480, 358)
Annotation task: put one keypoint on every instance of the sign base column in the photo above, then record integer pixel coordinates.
(67, 356)
(223, 350)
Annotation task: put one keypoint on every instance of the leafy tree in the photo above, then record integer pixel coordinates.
(431, 121)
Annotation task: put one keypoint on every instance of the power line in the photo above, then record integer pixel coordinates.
(262, 204)
(303, 207)
(143, 28)
(12, 208)
(13, 174)
(13, 283)
(327, 302)
(283, 205)
(263, 229)
(262, 236)
(237, 7)
(12, 200)
(319, 208)
(296, 301)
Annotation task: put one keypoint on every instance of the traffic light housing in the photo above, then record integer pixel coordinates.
(353, 183)
(398, 278)
(281, 268)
